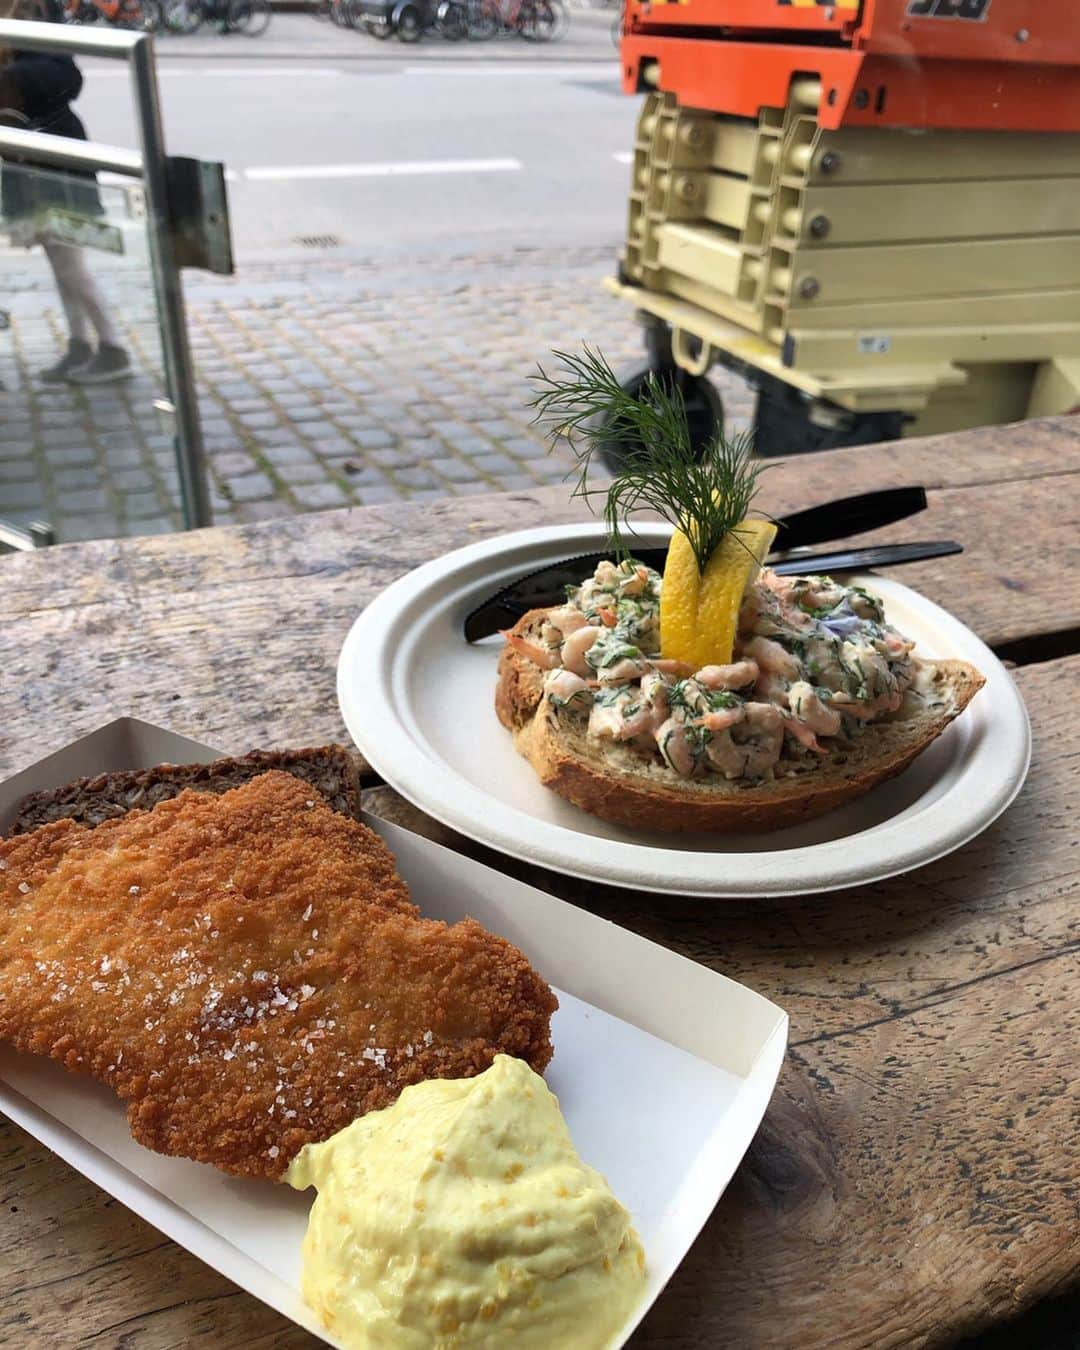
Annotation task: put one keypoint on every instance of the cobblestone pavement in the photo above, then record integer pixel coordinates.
(322, 383)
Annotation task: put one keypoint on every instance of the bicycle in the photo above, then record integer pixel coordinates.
(232, 16)
(534, 20)
(145, 15)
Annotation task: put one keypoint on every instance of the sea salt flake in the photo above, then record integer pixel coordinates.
(24, 888)
(306, 914)
(273, 1151)
(133, 890)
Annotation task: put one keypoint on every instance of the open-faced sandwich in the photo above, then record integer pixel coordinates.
(719, 696)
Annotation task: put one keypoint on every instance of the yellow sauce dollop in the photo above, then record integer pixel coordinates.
(463, 1216)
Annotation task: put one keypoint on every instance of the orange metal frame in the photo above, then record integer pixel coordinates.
(1015, 68)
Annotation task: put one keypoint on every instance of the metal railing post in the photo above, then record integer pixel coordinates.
(190, 458)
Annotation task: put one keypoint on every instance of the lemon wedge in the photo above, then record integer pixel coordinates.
(699, 611)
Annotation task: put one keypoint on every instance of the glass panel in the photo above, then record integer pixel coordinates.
(87, 454)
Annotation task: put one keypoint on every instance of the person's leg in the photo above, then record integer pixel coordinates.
(68, 261)
(79, 351)
(74, 280)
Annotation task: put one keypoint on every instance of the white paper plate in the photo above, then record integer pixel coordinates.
(419, 702)
(656, 1057)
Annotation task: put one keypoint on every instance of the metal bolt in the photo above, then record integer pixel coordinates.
(1022, 35)
(862, 98)
(809, 287)
(820, 226)
(830, 161)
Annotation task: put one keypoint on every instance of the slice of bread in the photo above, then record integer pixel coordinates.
(628, 786)
(332, 769)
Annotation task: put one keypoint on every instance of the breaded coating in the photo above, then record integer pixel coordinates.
(248, 972)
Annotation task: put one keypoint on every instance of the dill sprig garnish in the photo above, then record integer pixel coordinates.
(705, 494)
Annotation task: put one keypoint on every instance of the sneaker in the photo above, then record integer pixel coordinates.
(79, 353)
(107, 363)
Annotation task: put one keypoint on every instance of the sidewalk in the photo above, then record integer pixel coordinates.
(322, 383)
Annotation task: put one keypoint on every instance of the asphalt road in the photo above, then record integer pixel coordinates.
(331, 136)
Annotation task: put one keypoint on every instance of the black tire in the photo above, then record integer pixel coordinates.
(409, 23)
(704, 407)
(250, 16)
(543, 20)
(481, 23)
(182, 16)
(451, 20)
(153, 16)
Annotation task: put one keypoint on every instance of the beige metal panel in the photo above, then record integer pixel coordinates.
(870, 272)
(701, 252)
(1021, 307)
(993, 394)
(733, 145)
(887, 212)
(870, 346)
(714, 302)
(1055, 389)
(882, 155)
(906, 388)
(724, 200)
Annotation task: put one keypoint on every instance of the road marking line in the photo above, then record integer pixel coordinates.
(230, 72)
(401, 168)
(509, 70)
(623, 156)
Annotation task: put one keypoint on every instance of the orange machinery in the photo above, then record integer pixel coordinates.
(870, 209)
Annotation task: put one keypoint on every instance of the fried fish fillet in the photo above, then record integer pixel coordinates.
(247, 972)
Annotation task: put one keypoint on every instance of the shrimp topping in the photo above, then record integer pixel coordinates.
(814, 661)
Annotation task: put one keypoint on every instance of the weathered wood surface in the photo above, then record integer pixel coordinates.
(917, 1177)
(234, 637)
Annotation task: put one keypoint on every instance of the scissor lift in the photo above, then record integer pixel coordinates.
(872, 211)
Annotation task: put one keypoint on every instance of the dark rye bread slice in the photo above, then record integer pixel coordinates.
(331, 769)
(628, 786)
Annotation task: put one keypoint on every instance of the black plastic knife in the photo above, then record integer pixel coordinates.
(815, 525)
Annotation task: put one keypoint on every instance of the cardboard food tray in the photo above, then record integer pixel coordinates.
(663, 1067)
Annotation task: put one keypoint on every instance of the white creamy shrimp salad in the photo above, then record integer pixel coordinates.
(813, 661)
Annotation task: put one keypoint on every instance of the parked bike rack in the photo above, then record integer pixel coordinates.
(187, 219)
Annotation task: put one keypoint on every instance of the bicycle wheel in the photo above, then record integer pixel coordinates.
(250, 16)
(451, 21)
(182, 16)
(410, 23)
(543, 20)
(481, 21)
(150, 17)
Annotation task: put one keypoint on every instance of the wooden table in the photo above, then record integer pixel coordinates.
(917, 1177)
